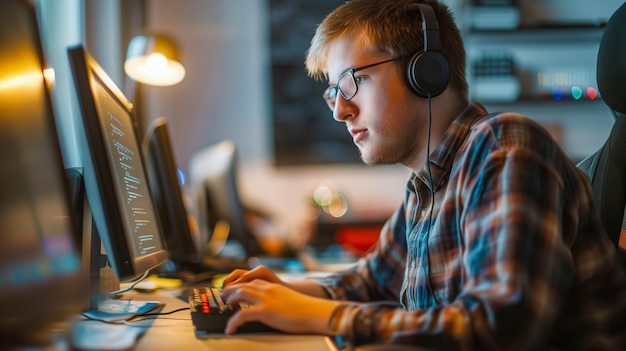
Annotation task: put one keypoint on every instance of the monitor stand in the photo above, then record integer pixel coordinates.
(99, 275)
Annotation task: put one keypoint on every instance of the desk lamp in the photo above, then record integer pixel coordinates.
(150, 60)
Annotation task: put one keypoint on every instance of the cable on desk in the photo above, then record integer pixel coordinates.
(129, 288)
(134, 318)
(160, 313)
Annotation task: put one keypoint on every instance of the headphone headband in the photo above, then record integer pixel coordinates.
(430, 28)
(428, 71)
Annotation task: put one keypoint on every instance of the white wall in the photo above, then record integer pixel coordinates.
(65, 23)
(223, 47)
(60, 27)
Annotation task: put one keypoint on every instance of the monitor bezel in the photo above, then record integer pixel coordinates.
(98, 173)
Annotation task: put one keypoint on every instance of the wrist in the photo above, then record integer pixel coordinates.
(324, 313)
(308, 287)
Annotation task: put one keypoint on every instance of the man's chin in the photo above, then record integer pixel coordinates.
(369, 159)
(365, 156)
(366, 161)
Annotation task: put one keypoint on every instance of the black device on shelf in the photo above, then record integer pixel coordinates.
(113, 172)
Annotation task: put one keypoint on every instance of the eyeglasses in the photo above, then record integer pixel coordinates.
(347, 87)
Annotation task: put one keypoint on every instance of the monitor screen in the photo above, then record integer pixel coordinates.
(41, 281)
(113, 170)
(213, 171)
(167, 191)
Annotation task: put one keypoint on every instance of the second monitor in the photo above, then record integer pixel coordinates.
(167, 191)
(213, 174)
(187, 248)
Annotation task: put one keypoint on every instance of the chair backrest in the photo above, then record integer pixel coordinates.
(607, 167)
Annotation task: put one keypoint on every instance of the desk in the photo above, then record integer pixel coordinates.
(176, 332)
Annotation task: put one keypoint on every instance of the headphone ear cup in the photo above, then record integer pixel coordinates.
(428, 73)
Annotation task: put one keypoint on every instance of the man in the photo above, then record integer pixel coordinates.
(495, 246)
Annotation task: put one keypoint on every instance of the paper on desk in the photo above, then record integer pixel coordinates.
(95, 335)
(115, 310)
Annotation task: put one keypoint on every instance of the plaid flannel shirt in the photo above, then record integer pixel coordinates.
(511, 257)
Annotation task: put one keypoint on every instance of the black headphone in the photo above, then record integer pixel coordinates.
(428, 71)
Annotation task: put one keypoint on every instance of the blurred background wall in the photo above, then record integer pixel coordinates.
(242, 56)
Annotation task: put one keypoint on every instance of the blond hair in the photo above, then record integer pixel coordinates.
(392, 26)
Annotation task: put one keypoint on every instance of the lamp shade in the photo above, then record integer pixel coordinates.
(153, 60)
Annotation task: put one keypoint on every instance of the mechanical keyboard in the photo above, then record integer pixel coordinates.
(209, 313)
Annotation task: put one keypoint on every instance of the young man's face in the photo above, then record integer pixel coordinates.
(386, 121)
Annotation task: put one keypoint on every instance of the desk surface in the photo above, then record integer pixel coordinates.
(176, 332)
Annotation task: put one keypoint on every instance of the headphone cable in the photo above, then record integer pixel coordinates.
(432, 201)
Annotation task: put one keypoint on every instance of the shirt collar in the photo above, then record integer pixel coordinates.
(443, 155)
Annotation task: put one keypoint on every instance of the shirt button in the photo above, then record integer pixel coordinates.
(412, 264)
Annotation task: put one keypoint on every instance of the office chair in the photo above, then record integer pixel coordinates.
(607, 167)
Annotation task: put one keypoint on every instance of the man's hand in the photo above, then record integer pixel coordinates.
(277, 306)
(239, 276)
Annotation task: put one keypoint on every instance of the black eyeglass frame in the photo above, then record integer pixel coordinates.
(331, 100)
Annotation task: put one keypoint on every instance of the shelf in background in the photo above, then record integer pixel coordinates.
(531, 35)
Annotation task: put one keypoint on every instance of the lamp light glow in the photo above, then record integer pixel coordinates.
(153, 60)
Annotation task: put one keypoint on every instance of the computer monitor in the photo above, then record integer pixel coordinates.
(41, 282)
(113, 172)
(168, 194)
(213, 172)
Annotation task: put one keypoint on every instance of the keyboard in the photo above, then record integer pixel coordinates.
(209, 313)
